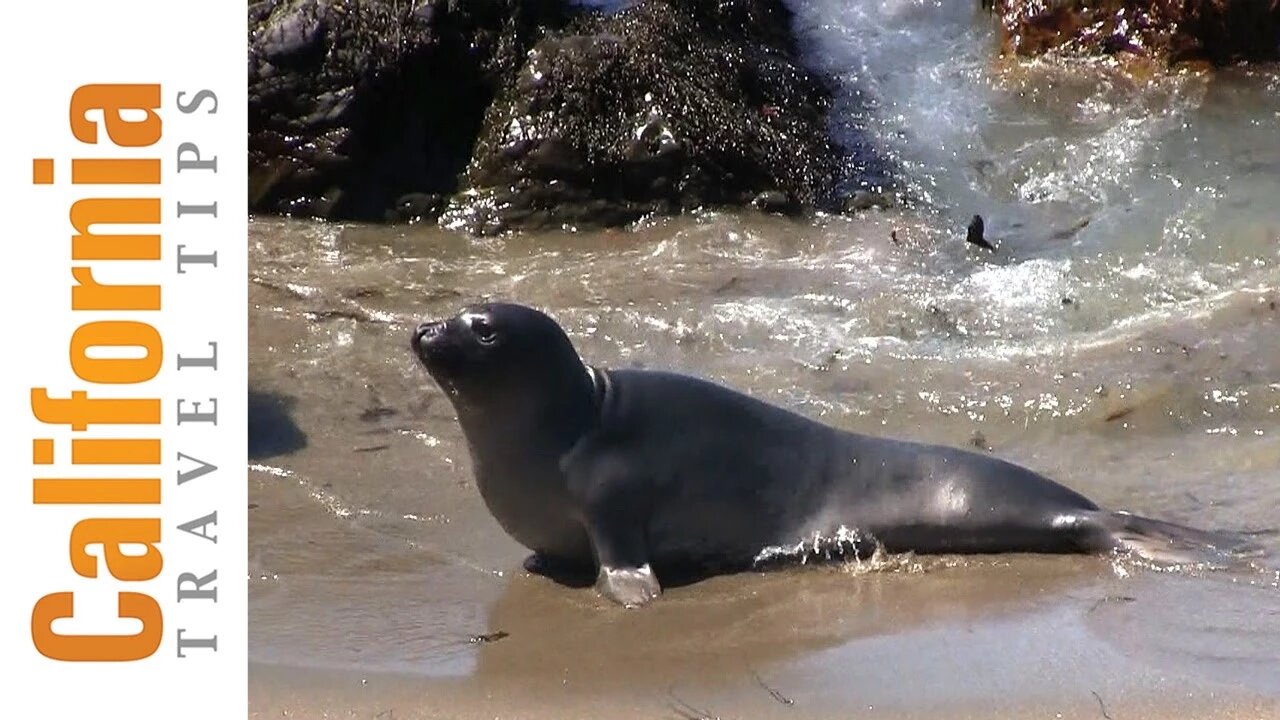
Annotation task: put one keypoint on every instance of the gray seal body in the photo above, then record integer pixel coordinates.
(630, 470)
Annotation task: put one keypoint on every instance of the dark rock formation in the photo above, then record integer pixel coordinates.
(526, 113)
(1223, 31)
(1217, 31)
(367, 108)
(666, 106)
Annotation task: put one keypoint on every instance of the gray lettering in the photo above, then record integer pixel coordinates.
(197, 591)
(199, 526)
(194, 104)
(197, 163)
(210, 259)
(209, 362)
(210, 643)
(204, 469)
(195, 414)
(210, 209)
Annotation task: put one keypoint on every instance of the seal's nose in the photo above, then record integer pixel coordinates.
(426, 331)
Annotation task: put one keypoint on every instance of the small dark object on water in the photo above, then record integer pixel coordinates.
(1111, 599)
(1068, 233)
(1119, 414)
(773, 693)
(687, 711)
(1068, 301)
(489, 637)
(1101, 707)
(975, 236)
(893, 235)
(374, 414)
(729, 284)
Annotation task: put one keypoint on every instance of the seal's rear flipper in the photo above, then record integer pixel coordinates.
(1166, 542)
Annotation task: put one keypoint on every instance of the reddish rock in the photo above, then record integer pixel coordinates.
(1217, 31)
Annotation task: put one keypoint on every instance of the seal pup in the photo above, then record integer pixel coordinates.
(625, 471)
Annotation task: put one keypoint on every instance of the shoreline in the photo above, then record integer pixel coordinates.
(277, 691)
(1034, 638)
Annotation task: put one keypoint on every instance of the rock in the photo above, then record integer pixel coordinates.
(775, 201)
(862, 200)
(413, 207)
(530, 113)
(1218, 31)
(355, 104)
(662, 107)
(1223, 31)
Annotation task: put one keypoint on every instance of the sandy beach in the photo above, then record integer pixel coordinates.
(291, 693)
(1021, 638)
(381, 587)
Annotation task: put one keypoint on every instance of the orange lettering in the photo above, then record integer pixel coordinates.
(117, 333)
(134, 211)
(97, 648)
(89, 294)
(112, 451)
(111, 99)
(102, 491)
(112, 533)
(80, 411)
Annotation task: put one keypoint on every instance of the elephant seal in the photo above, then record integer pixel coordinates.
(625, 471)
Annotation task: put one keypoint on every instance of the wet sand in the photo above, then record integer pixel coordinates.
(1014, 637)
(1023, 638)
(376, 572)
(283, 693)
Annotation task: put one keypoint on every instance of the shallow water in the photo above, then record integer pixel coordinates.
(371, 550)
(1125, 340)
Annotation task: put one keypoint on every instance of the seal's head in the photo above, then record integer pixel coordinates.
(499, 354)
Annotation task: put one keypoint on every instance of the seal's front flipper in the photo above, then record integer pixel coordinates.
(1166, 542)
(618, 542)
(614, 502)
(572, 573)
(629, 587)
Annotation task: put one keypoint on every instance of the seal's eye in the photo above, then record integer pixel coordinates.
(484, 331)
